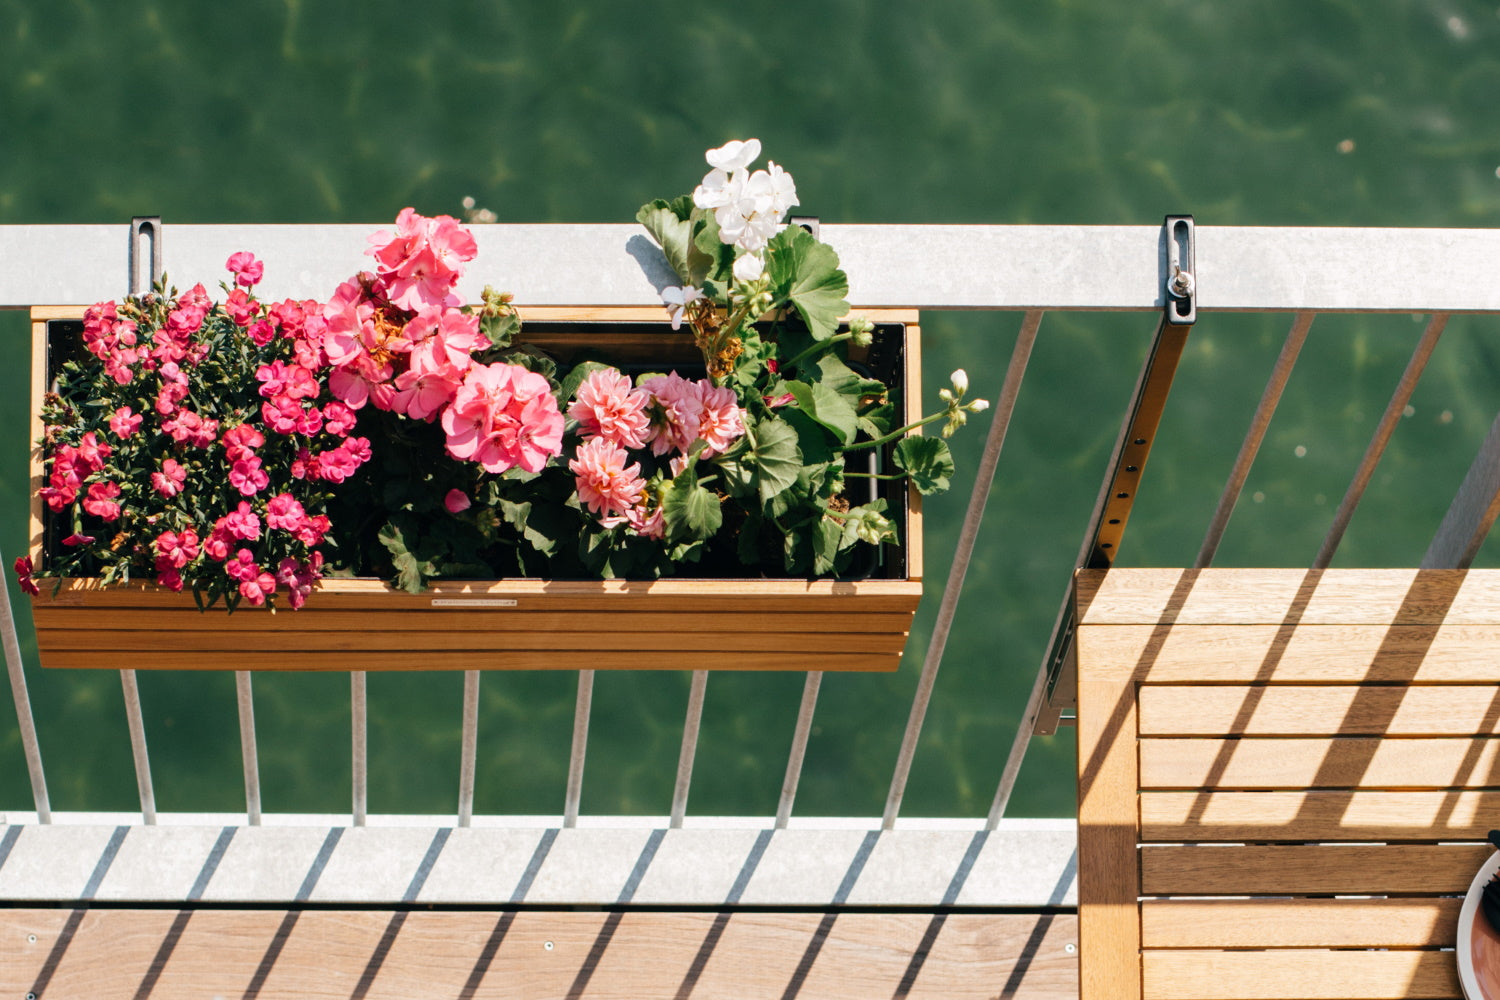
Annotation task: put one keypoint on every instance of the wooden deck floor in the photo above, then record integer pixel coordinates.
(165, 954)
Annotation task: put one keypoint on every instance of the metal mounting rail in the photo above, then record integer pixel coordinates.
(1021, 268)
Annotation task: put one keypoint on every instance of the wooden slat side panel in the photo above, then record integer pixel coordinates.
(679, 595)
(1276, 596)
(331, 955)
(1303, 975)
(1329, 654)
(1294, 764)
(524, 659)
(1109, 919)
(1318, 815)
(1299, 923)
(462, 620)
(1296, 869)
(1345, 710)
(635, 642)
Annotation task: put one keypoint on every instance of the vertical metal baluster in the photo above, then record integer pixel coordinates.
(138, 746)
(580, 747)
(1382, 437)
(246, 700)
(1256, 433)
(470, 748)
(689, 747)
(22, 697)
(799, 747)
(360, 752)
(983, 479)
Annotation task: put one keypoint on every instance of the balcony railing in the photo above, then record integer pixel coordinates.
(987, 861)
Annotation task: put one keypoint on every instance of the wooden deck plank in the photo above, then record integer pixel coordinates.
(1295, 869)
(1305, 975)
(1329, 654)
(1301, 923)
(1275, 596)
(1109, 920)
(378, 954)
(1318, 815)
(1360, 762)
(1344, 710)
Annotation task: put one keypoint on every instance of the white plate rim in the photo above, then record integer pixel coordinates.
(1464, 943)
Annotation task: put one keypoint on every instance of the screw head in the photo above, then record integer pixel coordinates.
(31, 939)
(1070, 948)
(548, 946)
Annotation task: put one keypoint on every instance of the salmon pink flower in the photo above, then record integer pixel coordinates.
(607, 406)
(606, 485)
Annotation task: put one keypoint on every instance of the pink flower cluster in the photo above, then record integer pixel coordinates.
(668, 414)
(172, 437)
(397, 339)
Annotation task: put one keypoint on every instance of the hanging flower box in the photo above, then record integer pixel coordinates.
(422, 483)
(753, 622)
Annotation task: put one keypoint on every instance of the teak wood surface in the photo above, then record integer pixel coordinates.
(1268, 741)
(673, 624)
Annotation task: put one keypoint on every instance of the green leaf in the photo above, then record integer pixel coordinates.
(827, 406)
(805, 273)
(501, 328)
(927, 461)
(674, 235)
(716, 261)
(533, 524)
(690, 511)
(408, 567)
(826, 536)
(773, 454)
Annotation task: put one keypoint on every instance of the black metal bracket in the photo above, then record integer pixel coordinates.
(144, 227)
(1181, 303)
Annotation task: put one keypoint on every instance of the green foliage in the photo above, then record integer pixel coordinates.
(927, 461)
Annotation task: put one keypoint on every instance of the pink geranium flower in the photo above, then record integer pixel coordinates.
(606, 485)
(676, 413)
(608, 406)
(457, 501)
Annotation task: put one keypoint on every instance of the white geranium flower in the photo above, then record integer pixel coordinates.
(677, 299)
(749, 267)
(960, 381)
(718, 189)
(734, 155)
(783, 189)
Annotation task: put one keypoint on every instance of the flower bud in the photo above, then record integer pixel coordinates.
(979, 405)
(960, 382)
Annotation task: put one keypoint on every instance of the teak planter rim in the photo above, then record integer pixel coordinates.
(513, 623)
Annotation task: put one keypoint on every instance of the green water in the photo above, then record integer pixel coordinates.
(1292, 112)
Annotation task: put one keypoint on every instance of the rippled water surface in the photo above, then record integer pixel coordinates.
(1270, 112)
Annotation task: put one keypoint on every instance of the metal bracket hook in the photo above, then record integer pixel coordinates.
(144, 227)
(1181, 303)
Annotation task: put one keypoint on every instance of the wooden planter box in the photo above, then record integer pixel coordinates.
(676, 623)
(1286, 779)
